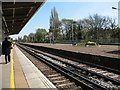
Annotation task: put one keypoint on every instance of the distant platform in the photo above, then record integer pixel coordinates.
(102, 50)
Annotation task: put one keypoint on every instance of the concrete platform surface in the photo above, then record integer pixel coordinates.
(5, 73)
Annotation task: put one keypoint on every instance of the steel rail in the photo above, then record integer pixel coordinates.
(74, 59)
(68, 71)
(83, 69)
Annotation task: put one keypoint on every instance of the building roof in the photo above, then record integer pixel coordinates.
(15, 15)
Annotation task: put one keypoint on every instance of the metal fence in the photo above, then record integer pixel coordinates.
(102, 41)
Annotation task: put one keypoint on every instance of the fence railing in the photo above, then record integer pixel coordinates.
(102, 41)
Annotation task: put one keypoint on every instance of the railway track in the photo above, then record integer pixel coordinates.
(55, 77)
(87, 76)
(81, 58)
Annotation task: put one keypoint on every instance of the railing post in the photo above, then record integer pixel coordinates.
(0, 44)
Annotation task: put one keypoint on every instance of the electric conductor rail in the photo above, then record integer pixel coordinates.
(95, 80)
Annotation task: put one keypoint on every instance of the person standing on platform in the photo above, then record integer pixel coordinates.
(13, 43)
(6, 49)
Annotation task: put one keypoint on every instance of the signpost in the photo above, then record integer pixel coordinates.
(50, 36)
(119, 13)
(72, 35)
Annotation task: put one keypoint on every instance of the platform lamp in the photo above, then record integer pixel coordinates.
(118, 16)
(73, 23)
(118, 13)
(115, 8)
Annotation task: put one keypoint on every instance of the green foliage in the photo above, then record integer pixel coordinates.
(40, 34)
(85, 44)
(55, 24)
(74, 43)
(80, 44)
(116, 33)
(25, 38)
(95, 28)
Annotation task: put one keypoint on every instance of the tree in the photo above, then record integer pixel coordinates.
(116, 33)
(67, 28)
(55, 24)
(19, 39)
(40, 35)
(80, 26)
(31, 37)
(25, 38)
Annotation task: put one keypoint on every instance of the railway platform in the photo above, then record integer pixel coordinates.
(21, 73)
(102, 50)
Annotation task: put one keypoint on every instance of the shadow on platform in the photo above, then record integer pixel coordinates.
(2, 63)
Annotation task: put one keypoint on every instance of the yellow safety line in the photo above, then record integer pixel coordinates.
(12, 85)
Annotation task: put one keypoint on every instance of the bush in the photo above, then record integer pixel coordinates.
(85, 44)
(80, 44)
(74, 43)
(91, 43)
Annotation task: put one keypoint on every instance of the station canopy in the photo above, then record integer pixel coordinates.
(15, 15)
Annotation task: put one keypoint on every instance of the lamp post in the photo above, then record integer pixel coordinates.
(72, 35)
(118, 17)
(50, 35)
(73, 23)
(114, 8)
(53, 34)
(118, 13)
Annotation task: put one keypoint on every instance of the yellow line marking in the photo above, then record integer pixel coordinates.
(12, 85)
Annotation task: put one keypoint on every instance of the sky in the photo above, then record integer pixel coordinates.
(76, 10)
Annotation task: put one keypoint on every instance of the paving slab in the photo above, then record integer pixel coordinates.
(6, 72)
(30, 75)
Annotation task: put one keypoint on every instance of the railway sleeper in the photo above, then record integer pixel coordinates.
(57, 78)
(49, 73)
(61, 81)
(76, 88)
(46, 69)
(101, 72)
(53, 75)
(66, 85)
(43, 67)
